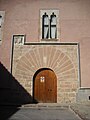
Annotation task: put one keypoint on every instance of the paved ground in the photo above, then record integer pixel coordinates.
(82, 109)
(79, 111)
(44, 114)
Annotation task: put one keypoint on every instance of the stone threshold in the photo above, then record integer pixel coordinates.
(46, 105)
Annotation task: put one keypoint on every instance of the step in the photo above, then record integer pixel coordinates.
(45, 105)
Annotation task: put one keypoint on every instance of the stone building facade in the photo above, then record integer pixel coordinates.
(62, 58)
(35, 35)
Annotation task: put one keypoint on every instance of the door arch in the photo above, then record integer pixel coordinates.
(45, 86)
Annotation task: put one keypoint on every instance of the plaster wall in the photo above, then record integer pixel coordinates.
(23, 17)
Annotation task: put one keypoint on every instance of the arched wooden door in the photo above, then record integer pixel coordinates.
(45, 86)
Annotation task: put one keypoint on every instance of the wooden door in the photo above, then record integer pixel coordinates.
(45, 86)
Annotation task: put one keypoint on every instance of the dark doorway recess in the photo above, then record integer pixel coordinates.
(45, 86)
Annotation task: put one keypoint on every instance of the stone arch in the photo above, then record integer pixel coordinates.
(45, 80)
(46, 56)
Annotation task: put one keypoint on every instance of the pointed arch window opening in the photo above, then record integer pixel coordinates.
(53, 29)
(0, 28)
(0, 21)
(49, 28)
(45, 26)
(2, 14)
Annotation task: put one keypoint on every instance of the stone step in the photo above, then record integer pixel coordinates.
(46, 105)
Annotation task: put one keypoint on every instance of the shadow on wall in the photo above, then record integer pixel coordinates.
(7, 111)
(12, 94)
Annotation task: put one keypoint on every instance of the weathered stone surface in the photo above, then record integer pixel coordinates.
(62, 59)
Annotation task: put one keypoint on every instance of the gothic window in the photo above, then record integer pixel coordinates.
(49, 22)
(53, 29)
(45, 26)
(2, 13)
(0, 27)
(0, 21)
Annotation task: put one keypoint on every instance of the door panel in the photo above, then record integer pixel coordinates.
(45, 86)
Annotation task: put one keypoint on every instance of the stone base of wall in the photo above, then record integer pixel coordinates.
(67, 91)
(83, 95)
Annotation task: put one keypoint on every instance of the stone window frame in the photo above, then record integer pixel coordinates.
(2, 15)
(19, 39)
(49, 13)
(17, 42)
